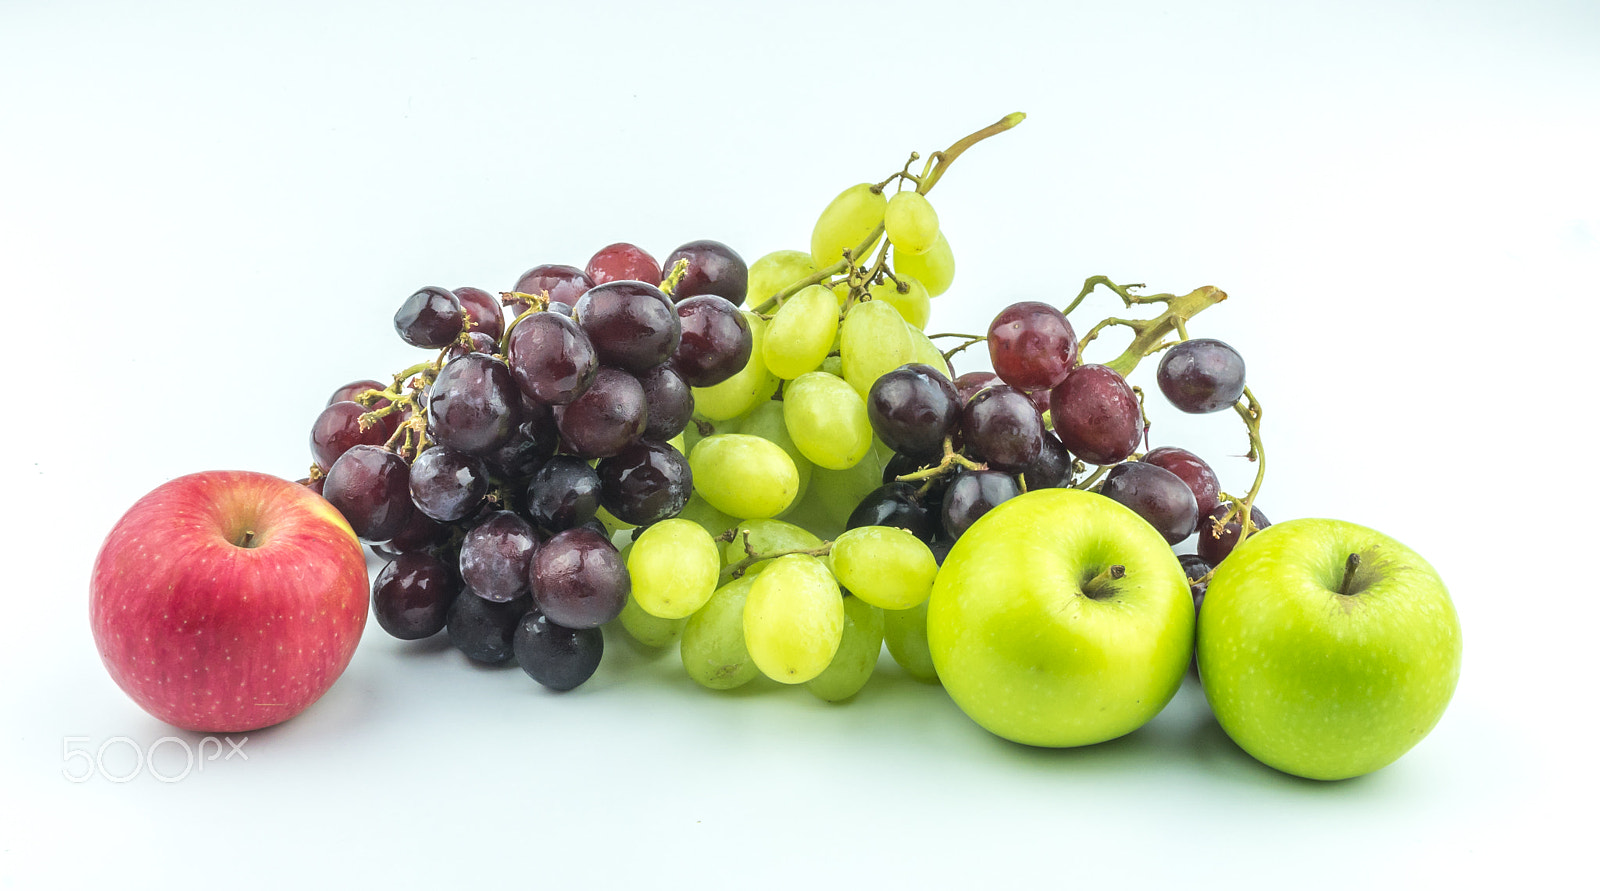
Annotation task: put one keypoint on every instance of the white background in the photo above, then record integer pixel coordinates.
(209, 212)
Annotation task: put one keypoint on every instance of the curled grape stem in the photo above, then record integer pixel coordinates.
(1149, 335)
(951, 459)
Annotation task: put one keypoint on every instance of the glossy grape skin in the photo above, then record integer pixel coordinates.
(913, 408)
(411, 596)
(646, 482)
(1154, 493)
(370, 486)
(447, 484)
(622, 262)
(338, 427)
(420, 533)
(579, 580)
(496, 555)
(714, 268)
(430, 318)
(483, 629)
(1000, 427)
(669, 401)
(475, 342)
(350, 391)
(488, 317)
(609, 415)
(1201, 376)
(897, 505)
(1214, 548)
(1194, 569)
(530, 445)
(1032, 345)
(968, 385)
(846, 222)
(557, 657)
(911, 223)
(551, 358)
(1096, 414)
(632, 325)
(714, 342)
(474, 404)
(1053, 468)
(1195, 473)
(971, 495)
(563, 493)
(564, 284)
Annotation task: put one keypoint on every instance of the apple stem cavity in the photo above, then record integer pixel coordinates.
(246, 539)
(1351, 564)
(1095, 588)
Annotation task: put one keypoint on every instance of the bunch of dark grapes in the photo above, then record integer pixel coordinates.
(483, 476)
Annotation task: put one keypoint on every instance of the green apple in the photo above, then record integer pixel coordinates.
(1326, 649)
(1061, 618)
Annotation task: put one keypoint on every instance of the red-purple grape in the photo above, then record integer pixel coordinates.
(1000, 427)
(609, 415)
(562, 283)
(496, 555)
(1195, 473)
(1201, 376)
(447, 484)
(632, 325)
(411, 596)
(430, 318)
(1154, 493)
(1213, 546)
(551, 358)
(1032, 345)
(579, 580)
(338, 428)
(474, 404)
(715, 343)
(370, 486)
(623, 262)
(714, 268)
(1096, 414)
(484, 309)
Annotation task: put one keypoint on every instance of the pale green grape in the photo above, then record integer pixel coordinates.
(753, 385)
(913, 305)
(857, 656)
(906, 633)
(925, 351)
(835, 493)
(827, 420)
(911, 223)
(845, 223)
(744, 476)
(651, 631)
(935, 269)
(766, 421)
(832, 365)
(712, 648)
(677, 442)
(872, 341)
(793, 619)
(885, 566)
(673, 565)
(801, 333)
(766, 537)
(776, 271)
(700, 512)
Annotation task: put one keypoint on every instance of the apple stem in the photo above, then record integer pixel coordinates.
(1351, 564)
(246, 539)
(1110, 574)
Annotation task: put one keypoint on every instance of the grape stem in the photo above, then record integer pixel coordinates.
(675, 276)
(969, 340)
(751, 558)
(1148, 334)
(1088, 483)
(1249, 410)
(536, 303)
(951, 459)
(939, 162)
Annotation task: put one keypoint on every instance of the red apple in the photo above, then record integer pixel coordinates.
(227, 601)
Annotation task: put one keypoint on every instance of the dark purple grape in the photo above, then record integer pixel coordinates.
(474, 405)
(496, 554)
(714, 268)
(338, 428)
(609, 415)
(1195, 569)
(430, 318)
(669, 402)
(646, 482)
(411, 596)
(913, 408)
(1154, 493)
(1201, 376)
(897, 505)
(1000, 427)
(370, 486)
(715, 343)
(1195, 473)
(1053, 468)
(447, 484)
(968, 385)
(579, 580)
(420, 533)
(971, 495)
(564, 284)
(1096, 414)
(1032, 345)
(1213, 546)
(476, 342)
(632, 325)
(551, 358)
(350, 391)
(483, 629)
(484, 310)
(557, 657)
(534, 441)
(564, 493)
(623, 262)
(901, 464)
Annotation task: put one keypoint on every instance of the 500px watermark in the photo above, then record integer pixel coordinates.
(121, 758)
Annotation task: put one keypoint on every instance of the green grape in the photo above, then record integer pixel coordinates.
(911, 223)
(793, 619)
(612, 524)
(925, 351)
(859, 647)
(650, 631)
(801, 333)
(766, 537)
(846, 222)
(753, 385)
(700, 512)
(766, 421)
(906, 633)
(673, 565)
(712, 648)
(828, 420)
(835, 493)
(677, 442)
(872, 341)
(913, 305)
(813, 513)
(832, 365)
(744, 476)
(935, 269)
(885, 566)
(841, 292)
(776, 271)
